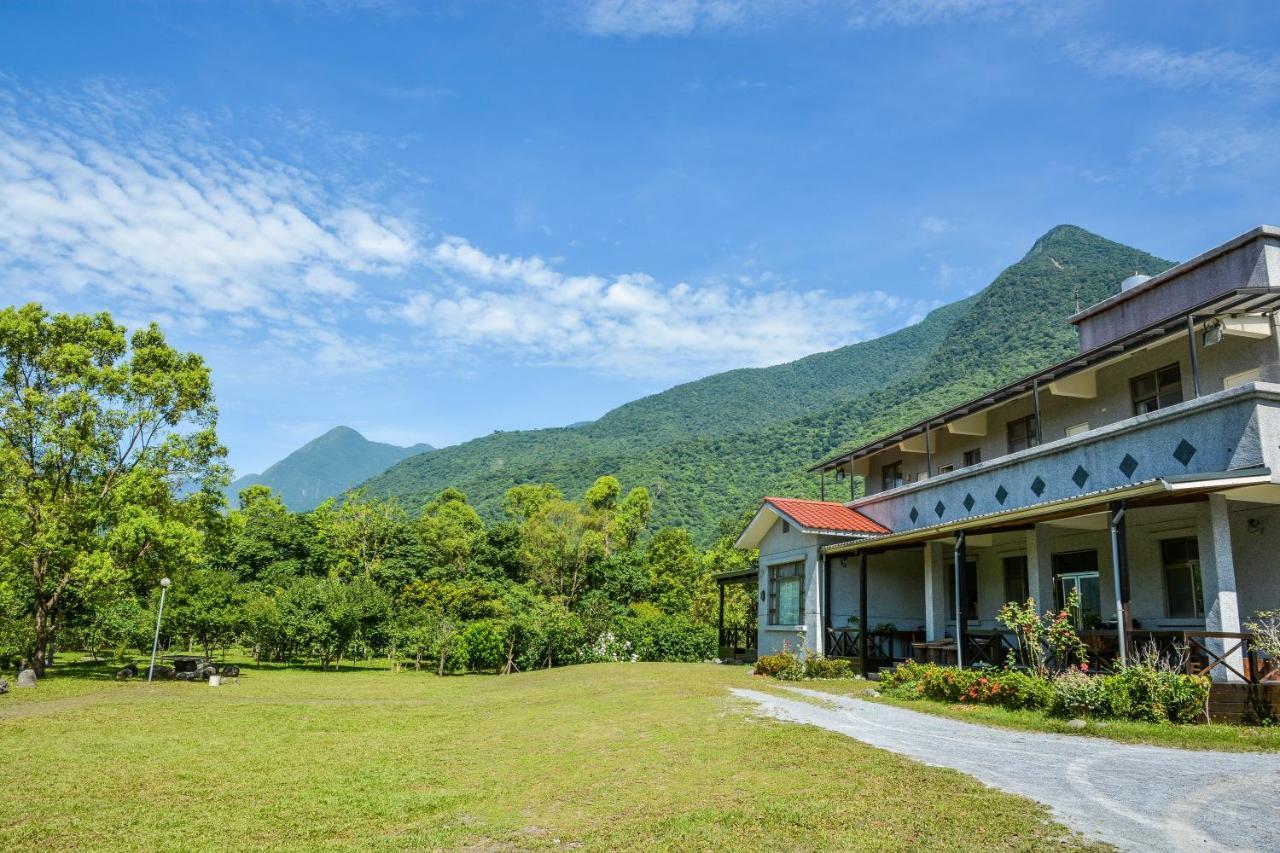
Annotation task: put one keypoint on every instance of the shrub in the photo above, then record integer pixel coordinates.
(483, 645)
(1150, 695)
(1076, 694)
(793, 671)
(668, 638)
(817, 666)
(774, 664)
(1006, 688)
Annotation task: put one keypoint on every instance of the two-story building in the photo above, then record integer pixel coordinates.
(1143, 475)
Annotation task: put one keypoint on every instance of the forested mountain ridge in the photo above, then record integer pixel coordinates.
(826, 403)
(325, 467)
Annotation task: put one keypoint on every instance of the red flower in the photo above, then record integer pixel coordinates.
(1084, 667)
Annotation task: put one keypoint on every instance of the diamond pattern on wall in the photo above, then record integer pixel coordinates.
(1002, 494)
(940, 508)
(1080, 477)
(1128, 465)
(1037, 486)
(914, 515)
(1184, 451)
(969, 502)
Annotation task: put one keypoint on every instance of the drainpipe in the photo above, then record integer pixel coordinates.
(928, 452)
(1195, 360)
(863, 645)
(962, 628)
(1035, 397)
(1120, 574)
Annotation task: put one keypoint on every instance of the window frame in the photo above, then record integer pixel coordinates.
(898, 480)
(1161, 396)
(788, 573)
(1028, 434)
(1186, 563)
(1019, 564)
(972, 457)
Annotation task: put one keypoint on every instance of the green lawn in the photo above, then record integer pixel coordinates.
(1215, 736)
(606, 756)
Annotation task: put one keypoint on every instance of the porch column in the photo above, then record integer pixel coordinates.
(1218, 581)
(720, 620)
(863, 645)
(935, 592)
(1040, 567)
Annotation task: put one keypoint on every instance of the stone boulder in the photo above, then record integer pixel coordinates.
(165, 673)
(4, 687)
(185, 676)
(231, 671)
(27, 678)
(206, 671)
(130, 670)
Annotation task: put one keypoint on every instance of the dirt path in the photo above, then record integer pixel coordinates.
(1135, 797)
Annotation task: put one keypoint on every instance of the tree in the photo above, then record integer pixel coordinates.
(206, 604)
(450, 530)
(675, 571)
(521, 503)
(359, 533)
(99, 430)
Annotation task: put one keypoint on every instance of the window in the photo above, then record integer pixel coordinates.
(786, 594)
(786, 526)
(1157, 389)
(1180, 559)
(891, 476)
(1077, 429)
(946, 469)
(972, 457)
(1022, 433)
(971, 599)
(1077, 572)
(1015, 579)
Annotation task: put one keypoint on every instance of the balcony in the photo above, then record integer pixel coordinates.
(1230, 430)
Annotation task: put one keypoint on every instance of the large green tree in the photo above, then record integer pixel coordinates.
(100, 432)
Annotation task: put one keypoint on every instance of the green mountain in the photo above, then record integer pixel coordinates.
(710, 449)
(325, 467)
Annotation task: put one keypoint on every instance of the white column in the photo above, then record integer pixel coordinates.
(818, 639)
(935, 592)
(1218, 581)
(1040, 567)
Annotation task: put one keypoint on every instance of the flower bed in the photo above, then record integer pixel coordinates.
(1142, 693)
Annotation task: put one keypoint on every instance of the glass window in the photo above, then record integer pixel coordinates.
(891, 476)
(1181, 561)
(972, 457)
(1022, 433)
(1015, 579)
(786, 526)
(1157, 389)
(1076, 429)
(1077, 571)
(786, 594)
(946, 469)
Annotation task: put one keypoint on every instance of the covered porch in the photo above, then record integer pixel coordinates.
(1170, 568)
(736, 624)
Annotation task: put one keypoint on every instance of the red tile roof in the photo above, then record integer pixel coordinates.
(826, 515)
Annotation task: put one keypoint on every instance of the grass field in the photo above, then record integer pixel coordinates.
(1216, 736)
(617, 756)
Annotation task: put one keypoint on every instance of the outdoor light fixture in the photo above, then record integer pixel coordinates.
(155, 643)
(1212, 332)
(839, 475)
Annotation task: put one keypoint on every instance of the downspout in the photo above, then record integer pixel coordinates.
(1035, 396)
(1195, 359)
(1120, 574)
(863, 644)
(928, 452)
(962, 628)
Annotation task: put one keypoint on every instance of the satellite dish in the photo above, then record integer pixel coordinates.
(1133, 281)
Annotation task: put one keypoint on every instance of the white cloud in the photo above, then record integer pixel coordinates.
(633, 324)
(262, 259)
(94, 199)
(1215, 68)
(637, 18)
(935, 225)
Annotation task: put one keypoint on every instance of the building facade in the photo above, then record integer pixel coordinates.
(1141, 476)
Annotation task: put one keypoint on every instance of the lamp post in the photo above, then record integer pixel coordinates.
(155, 644)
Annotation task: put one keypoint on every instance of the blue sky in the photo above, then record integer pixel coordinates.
(431, 221)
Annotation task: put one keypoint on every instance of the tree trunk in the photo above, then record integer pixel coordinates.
(42, 639)
(443, 654)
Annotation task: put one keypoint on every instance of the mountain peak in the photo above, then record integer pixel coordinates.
(326, 467)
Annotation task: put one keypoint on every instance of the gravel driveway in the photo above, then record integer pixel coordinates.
(1135, 797)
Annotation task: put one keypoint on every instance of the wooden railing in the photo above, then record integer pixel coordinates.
(1203, 656)
(738, 639)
